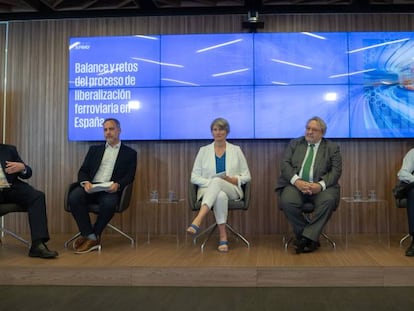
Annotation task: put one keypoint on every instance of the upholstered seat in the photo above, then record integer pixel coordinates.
(94, 208)
(233, 205)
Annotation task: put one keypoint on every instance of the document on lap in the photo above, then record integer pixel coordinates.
(4, 185)
(103, 186)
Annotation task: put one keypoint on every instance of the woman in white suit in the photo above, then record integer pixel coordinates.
(219, 170)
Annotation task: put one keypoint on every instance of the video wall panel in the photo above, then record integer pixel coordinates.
(170, 87)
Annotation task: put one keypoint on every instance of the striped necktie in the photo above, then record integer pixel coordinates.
(308, 164)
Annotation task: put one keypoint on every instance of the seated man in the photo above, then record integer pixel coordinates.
(310, 170)
(406, 175)
(14, 190)
(112, 161)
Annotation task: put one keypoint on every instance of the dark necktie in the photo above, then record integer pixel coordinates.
(308, 164)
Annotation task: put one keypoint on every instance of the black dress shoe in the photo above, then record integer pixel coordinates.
(311, 246)
(40, 250)
(301, 244)
(305, 245)
(410, 250)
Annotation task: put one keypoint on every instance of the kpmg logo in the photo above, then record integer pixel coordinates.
(79, 46)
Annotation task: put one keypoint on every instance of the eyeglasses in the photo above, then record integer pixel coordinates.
(312, 129)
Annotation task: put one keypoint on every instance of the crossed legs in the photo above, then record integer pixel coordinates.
(215, 195)
(292, 200)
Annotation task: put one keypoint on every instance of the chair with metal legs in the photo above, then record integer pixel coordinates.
(94, 208)
(6, 208)
(307, 210)
(233, 205)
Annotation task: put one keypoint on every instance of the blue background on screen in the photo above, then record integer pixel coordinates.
(266, 84)
(203, 60)
(295, 58)
(190, 110)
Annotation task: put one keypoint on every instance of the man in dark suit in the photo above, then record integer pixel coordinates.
(310, 170)
(110, 162)
(14, 190)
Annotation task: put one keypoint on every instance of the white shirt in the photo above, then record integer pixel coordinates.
(407, 168)
(106, 168)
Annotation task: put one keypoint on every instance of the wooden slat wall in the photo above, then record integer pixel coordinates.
(37, 116)
(3, 30)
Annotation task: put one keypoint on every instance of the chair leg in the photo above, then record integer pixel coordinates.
(286, 242)
(332, 242)
(209, 231)
(71, 239)
(110, 226)
(14, 235)
(122, 233)
(405, 237)
(238, 235)
(210, 228)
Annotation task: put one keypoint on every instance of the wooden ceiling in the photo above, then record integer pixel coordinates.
(46, 9)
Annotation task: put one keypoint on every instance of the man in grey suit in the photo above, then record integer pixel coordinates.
(310, 170)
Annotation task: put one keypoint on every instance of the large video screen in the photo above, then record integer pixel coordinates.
(170, 87)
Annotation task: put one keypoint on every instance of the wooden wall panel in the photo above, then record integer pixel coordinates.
(37, 116)
(3, 46)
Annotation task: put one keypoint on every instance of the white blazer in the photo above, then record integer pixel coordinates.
(205, 167)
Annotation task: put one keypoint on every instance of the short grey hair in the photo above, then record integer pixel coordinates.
(221, 123)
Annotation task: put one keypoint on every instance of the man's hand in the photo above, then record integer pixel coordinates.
(14, 167)
(308, 188)
(303, 186)
(114, 188)
(87, 186)
(315, 187)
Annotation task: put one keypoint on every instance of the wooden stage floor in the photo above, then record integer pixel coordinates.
(366, 262)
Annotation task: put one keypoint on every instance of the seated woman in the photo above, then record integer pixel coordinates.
(219, 170)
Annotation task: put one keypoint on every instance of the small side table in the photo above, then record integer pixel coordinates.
(179, 215)
(380, 208)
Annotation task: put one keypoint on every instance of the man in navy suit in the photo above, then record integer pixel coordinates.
(317, 184)
(110, 162)
(14, 190)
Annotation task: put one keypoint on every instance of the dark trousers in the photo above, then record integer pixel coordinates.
(291, 200)
(34, 201)
(79, 200)
(410, 211)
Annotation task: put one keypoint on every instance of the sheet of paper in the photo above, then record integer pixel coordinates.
(103, 186)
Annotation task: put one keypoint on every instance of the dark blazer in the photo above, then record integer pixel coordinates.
(124, 169)
(9, 153)
(327, 166)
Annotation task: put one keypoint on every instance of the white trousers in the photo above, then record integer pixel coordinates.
(217, 195)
